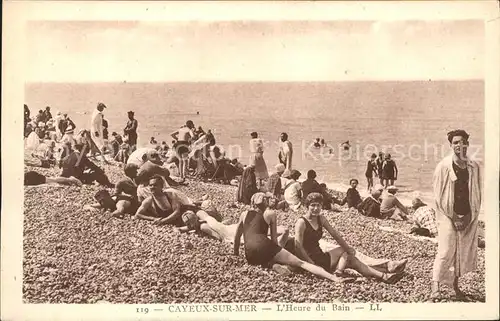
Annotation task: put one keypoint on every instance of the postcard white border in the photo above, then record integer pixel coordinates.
(16, 13)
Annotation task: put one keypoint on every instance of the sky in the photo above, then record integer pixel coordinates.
(117, 51)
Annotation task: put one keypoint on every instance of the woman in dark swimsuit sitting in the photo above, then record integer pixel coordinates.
(308, 233)
(260, 250)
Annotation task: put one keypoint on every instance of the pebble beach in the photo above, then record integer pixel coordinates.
(76, 255)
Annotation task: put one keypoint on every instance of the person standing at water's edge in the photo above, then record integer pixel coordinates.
(457, 191)
(183, 138)
(286, 151)
(257, 158)
(96, 125)
(131, 130)
(389, 171)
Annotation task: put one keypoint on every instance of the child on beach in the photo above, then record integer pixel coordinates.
(353, 198)
(371, 169)
(380, 163)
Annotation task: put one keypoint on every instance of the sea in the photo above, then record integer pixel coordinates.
(408, 119)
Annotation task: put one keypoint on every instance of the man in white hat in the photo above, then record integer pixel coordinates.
(391, 207)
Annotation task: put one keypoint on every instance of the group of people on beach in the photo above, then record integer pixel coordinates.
(147, 191)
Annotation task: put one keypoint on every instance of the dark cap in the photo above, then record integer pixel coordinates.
(130, 113)
(101, 105)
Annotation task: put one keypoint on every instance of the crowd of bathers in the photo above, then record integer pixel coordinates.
(149, 191)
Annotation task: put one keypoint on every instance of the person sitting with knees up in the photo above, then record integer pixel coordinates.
(391, 207)
(254, 225)
(424, 219)
(308, 233)
(370, 206)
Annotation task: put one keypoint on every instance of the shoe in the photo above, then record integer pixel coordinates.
(397, 266)
(395, 277)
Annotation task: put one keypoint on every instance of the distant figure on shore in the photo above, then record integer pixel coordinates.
(96, 126)
(183, 138)
(391, 207)
(389, 171)
(286, 151)
(371, 169)
(116, 142)
(257, 158)
(346, 145)
(197, 113)
(458, 194)
(322, 142)
(131, 130)
(46, 114)
(380, 163)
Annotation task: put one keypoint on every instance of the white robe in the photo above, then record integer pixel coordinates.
(286, 151)
(96, 126)
(457, 250)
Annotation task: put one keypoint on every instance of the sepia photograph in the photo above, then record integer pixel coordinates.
(211, 165)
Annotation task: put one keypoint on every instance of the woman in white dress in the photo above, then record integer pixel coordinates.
(257, 158)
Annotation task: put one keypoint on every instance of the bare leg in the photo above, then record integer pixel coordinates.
(121, 208)
(367, 271)
(64, 181)
(287, 258)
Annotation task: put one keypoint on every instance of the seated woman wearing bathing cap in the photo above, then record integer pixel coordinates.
(308, 233)
(260, 250)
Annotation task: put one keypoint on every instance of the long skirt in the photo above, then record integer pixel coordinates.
(261, 172)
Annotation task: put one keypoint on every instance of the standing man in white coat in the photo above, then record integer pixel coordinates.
(457, 186)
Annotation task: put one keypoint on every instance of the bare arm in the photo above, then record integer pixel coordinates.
(301, 253)
(273, 227)
(237, 235)
(143, 209)
(395, 170)
(175, 135)
(176, 207)
(336, 235)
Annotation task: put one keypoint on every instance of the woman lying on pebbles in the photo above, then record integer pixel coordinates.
(206, 221)
(308, 232)
(260, 250)
(33, 178)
